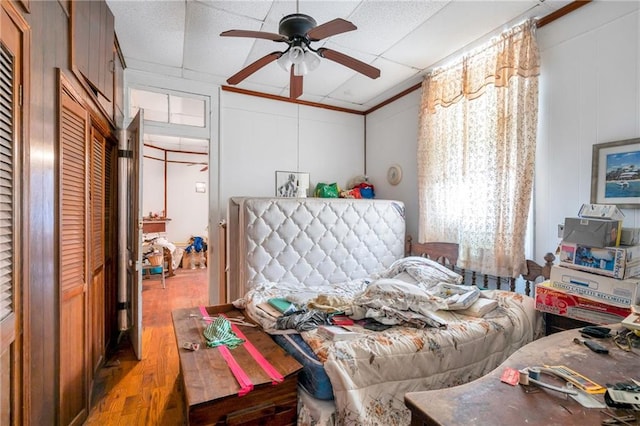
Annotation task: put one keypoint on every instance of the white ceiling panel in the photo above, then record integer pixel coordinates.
(375, 34)
(436, 39)
(404, 39)
(359, 89)
(206, 51)
(256, 10)
(137, 25)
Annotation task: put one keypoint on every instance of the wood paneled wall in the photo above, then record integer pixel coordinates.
(49, 51)
(45, 327)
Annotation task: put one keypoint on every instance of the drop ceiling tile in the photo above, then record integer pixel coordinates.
(359, 88)
(137, 27)
(206, 51)
(375, 34)
(257, 10)
(455, 26)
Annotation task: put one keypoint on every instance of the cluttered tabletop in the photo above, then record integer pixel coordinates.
(587, 376)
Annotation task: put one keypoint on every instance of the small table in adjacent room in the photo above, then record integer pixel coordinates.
(211, 389)
(149, 271)
(489, 401)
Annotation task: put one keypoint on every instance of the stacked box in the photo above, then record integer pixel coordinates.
(630, 236)
(597, 225)
(594, 282)
(617, 262)
(603, 211)
(592, 232)
(595, 287)
(558, 302)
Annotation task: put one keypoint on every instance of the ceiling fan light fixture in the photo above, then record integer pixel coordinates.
(309, 63)
(294, 56)
(311, 60)
(303, 61)
(285, 62)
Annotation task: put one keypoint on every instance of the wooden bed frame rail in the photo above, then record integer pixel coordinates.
(447, 254)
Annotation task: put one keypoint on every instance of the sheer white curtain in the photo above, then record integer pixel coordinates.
(476, 152)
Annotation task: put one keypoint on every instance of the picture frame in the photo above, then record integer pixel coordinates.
(615, 173)
(292, 184)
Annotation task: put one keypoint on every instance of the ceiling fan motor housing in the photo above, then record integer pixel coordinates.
(296, 24)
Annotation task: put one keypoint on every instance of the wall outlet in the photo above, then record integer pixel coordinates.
(560, 230)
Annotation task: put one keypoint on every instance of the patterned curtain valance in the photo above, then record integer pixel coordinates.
(512, 53)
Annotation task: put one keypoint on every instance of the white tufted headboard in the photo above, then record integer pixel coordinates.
(311, 240)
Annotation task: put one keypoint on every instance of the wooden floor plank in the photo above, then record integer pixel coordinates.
(148, 392)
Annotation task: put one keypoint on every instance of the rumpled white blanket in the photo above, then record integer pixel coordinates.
(418, 289)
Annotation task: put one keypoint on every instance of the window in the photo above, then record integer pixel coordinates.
(168, 108)
(476, 153)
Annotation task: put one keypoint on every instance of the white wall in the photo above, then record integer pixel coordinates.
(152, 182)
(187, 209)
(260, 136)
(392, 138)
(589, 93)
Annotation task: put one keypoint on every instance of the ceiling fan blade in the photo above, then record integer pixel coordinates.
(331, 28)
(295, 85)
(350, 62)
(251, 68)
(253, 34)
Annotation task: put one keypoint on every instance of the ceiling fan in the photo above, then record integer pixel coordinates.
(298, 31)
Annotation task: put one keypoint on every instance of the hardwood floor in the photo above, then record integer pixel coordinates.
(149, 392)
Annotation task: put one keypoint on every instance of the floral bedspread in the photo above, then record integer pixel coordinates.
(371, 373)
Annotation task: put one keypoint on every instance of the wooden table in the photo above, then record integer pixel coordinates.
(211, 390)
(490, 401)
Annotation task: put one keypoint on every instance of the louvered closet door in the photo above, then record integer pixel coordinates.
(73, 262)
(97, 290)
(110, 241)
(7, 311)
(11, 50)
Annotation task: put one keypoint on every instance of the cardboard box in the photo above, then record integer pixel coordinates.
(630, 236)
(592, 232)
(602, 211)
(632, 322)
(557, 302)
(617, 262)
(596, 287)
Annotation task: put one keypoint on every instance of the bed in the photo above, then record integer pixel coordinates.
(350, 254)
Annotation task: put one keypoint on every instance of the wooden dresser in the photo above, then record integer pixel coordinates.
(211, 390)
(154, 225)
(490, 401)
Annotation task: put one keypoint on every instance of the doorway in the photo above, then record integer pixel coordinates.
(174, 187)
(175, 200)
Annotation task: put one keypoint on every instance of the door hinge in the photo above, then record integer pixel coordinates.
(20, 95)
(125, 153)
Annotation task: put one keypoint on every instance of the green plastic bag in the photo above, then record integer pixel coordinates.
(324, 190)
